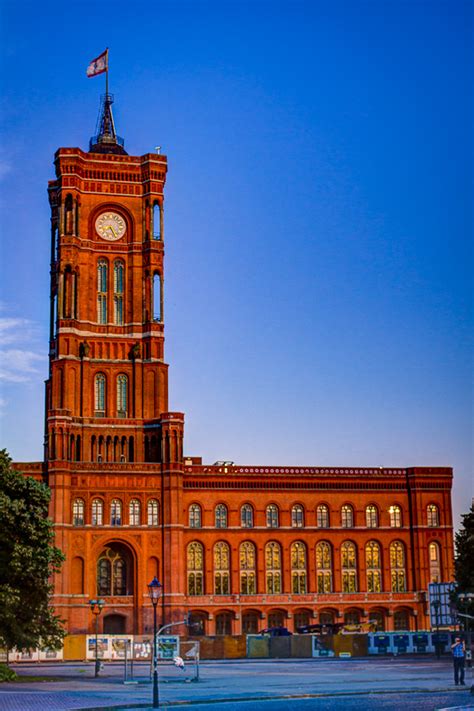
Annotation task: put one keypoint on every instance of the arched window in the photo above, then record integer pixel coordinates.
(152, 512)
(435, 562)
(347, 516)
(349, 567)
(78, 512)
(400, 621)
(246, 516)
(116, 512)
(221, 569)
(156, 297)
(195, 516)
(298, 568)
(195, 561)
(272, 516)
(111, 573)
(122, 387)
(134, 512)
(273, 568)
(324, 567)
(371, 516)
(221, 516)
(297, 516)
(373, 567)
(224, 623)
(156, 221)
(322, 516)
(395, 516)
(247, 569)
(432, 515)
(102, 291)
(97, 512)
(118, 292)
(99, 395)
(397, 567)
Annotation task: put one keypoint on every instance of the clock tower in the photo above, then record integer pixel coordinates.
(113, 451)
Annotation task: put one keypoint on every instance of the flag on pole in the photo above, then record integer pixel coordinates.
(98, 65)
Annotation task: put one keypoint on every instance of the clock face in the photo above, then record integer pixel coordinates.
(110, 226)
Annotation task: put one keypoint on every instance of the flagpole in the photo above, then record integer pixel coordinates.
(106, 71)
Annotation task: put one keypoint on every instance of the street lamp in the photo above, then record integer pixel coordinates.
(154, 591)
(467, 599)
(96, 609)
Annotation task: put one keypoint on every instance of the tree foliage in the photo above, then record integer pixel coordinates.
(464, 558)
(28, 559)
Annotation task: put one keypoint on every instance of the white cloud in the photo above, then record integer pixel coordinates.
(17, 366)
(21, 362)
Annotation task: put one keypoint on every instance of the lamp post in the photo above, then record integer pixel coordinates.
(96, 609)
(154, 591)
(466, 599)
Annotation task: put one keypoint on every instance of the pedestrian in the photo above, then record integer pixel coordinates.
(459, 655)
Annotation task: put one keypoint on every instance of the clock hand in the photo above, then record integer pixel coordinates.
(114, 232)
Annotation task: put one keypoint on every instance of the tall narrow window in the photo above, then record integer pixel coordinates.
(118, 292)
(97, 512)
(272, 516)
(156, 297)
(104, 576)
(195, 516)
(78, 512)
(246, 516)
(195, 564)
(68, 215)
(221, 569)
(156, 221)
(322, 516)
(324, 567)
(102, 291)
(221, 516)
(273, 568)
(373, 567)
(349, 567)
(134, 512)
(432, 515)
(395, 516)
(298, 568)
(347, 516)
(247, 569)
(122, 386)
(397, 567)
(371, 516)
(119, 572)
(297, 516)
(99, 395)
(435, 562)
(116, 512)
(152, 512)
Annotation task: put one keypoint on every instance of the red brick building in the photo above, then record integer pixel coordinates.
(239, 547)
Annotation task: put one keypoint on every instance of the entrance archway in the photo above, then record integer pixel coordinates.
(115, 624)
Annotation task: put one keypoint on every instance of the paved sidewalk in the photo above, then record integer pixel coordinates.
(231, 681)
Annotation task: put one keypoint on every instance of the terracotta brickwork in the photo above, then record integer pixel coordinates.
(239, 547)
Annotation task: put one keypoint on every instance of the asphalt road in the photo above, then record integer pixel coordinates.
(248, 685)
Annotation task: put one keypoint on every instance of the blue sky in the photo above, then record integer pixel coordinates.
(318, 219)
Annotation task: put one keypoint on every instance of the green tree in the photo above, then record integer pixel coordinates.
(464, 560)
(28, 558)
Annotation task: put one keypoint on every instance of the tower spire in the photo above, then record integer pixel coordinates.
(106, 139)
